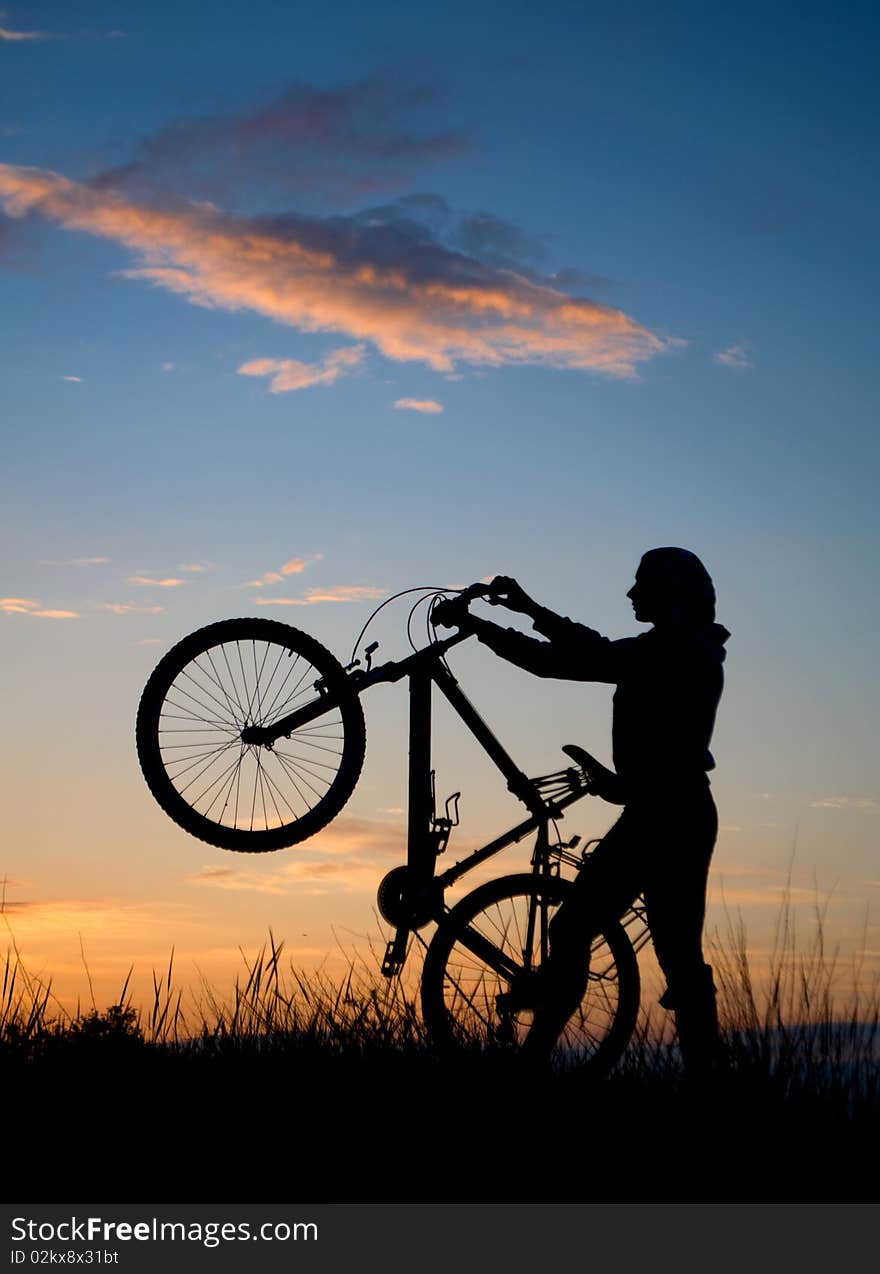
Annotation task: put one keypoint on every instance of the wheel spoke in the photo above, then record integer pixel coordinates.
(209, 720)
(213, 698)
(292, 778)
(215, 677)
(293, 770)
(305, 760)
(189, 763)
(257, 676)
(227, 788)
(275, 711)
(241, 712)
(219, 779)
(268, 686)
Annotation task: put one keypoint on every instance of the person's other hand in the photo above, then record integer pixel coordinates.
(505, 591)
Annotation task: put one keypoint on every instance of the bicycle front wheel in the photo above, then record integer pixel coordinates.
(216, 684)
(481, 978)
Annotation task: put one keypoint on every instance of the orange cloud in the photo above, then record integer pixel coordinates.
(146, 581)
(427, 406)
(294, 566)
(288, 373)
(337, 593)
(353, 853)
(131, 608)
(75, 561)
(17, 605)
(14, 36)
(298, 564)
(27, 606)
(414, 301)
(6, 34)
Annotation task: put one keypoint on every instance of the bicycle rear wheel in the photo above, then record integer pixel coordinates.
(492, 944)
(217, 683)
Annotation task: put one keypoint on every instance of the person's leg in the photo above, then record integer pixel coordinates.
(604, 889)
(675, 898)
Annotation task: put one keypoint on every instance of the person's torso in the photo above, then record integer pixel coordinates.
(664, 710)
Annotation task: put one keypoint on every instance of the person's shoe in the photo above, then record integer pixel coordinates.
(526, 992)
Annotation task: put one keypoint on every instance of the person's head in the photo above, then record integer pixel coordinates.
(673, 586)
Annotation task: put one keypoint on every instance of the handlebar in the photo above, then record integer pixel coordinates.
(449, 606)
(473, 591)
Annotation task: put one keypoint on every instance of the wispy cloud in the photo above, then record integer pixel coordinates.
(27, 606)
(736, 356)
(147, 581)
(340, 142)
(17, 605)
(131, 608)
(427, 406)
(388, 283)
(74, 380)
(350, 854)
(74, 561)
(337, 593)
(194, 568)
(286, 374)
(296, 565)
(12, 36)
(867, 804)
(293, 566)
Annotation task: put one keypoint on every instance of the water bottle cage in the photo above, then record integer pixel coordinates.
(442, 826)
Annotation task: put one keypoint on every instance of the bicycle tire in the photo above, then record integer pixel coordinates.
(459, 988)
(245, 797)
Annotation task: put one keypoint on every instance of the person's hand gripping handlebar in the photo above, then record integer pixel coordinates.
(503, 590)
(452, 612)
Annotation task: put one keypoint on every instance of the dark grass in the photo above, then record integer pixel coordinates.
(304, 1089)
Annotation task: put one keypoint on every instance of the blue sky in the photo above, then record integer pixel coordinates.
(699, 181)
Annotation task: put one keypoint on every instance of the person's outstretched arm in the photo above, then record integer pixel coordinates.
(572, 652)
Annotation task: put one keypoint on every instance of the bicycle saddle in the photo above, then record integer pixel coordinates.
(605, 782)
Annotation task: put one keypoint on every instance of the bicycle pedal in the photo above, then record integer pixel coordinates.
(504, 1031)
(391, 961)
(526, 992)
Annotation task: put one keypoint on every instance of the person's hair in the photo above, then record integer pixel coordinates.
(684, 582)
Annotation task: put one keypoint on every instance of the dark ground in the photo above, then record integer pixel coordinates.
(122, 1120)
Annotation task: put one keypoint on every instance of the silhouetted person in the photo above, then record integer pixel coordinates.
(669, 682)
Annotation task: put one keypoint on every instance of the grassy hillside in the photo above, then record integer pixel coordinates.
(296, 1089)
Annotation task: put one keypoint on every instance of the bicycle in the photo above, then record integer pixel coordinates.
(251, 736)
